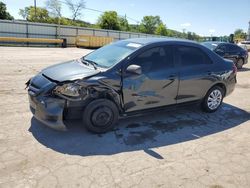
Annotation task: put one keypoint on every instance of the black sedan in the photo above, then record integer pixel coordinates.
(130, 77)
(229, 51)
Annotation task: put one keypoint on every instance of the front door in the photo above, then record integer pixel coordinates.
(157, 85)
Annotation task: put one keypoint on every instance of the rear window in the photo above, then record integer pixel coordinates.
(210, 45)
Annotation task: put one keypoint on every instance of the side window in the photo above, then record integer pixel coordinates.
(228, 48)
(191, 56)
(233, 48)
(155, 59)
(222, 47)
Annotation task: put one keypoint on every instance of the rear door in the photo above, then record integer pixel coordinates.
(195, 69)
(157, 85)
(232, 52)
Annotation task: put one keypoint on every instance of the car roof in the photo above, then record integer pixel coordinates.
(151, 40)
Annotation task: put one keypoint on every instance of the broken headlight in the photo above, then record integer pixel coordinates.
(70, 90)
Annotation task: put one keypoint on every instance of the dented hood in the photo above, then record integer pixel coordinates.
(70, 70)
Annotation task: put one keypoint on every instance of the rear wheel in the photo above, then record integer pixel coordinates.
(100, 116)
(239, 63)
(213, 99)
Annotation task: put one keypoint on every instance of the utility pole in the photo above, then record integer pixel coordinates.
(35, 7)
(248, 33)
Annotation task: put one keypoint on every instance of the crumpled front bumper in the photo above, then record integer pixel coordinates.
(48, 110)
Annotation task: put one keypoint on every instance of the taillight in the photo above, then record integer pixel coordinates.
(234, 68)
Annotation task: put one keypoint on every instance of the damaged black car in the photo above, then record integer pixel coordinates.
(130, 77)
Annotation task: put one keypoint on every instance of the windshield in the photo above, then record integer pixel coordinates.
(111, 54)
(210, 45)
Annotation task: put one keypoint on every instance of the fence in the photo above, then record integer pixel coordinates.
(41, 30)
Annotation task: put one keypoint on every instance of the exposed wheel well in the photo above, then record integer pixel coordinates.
(106, 94)
(222, 86)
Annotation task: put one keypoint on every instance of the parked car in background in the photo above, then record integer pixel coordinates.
(245, 45)
(130, 77)
(229, 51)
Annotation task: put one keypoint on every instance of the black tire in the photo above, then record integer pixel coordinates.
(206, 104)
(239, 63)
(100, 116)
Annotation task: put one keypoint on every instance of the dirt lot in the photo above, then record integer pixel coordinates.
(182, 148)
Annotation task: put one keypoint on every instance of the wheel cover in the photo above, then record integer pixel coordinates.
(214, 99)
(102, 116)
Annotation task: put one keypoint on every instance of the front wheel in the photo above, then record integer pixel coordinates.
(213, 99)
(100, 116)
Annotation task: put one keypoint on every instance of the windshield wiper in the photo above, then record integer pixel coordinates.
(87, 62)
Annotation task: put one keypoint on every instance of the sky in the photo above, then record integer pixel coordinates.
(204, 17)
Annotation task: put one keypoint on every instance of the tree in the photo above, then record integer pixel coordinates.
(239, 34)
(149, 24)
(42, 15)
(109, 20)
(32, 15)
(75, 8)
(189, 35)
(123, 22)
(24, 12)
(3, 12)
(171, 33)
(55, 7)
(161, 30)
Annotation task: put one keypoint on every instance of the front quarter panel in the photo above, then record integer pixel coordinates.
(107, 85)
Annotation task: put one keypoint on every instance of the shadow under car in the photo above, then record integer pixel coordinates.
(140, 133)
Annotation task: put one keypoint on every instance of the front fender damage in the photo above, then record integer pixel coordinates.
(102, 90)
(89, 91)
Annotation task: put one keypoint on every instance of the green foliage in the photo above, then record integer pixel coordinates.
(239, 34)
(149, 24)
(42, 16)
(193, 36)
(134, 28)
(32, 15)
(161, 30)
(123, 22)
(109, 20)
(24, 12)
(3, 12)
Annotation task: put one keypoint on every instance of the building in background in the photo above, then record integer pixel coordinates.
(218, 39)
(248, 33)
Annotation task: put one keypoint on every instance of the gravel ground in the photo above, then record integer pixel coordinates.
(182, 148)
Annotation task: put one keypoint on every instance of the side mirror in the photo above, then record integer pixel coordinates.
(134, 69)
